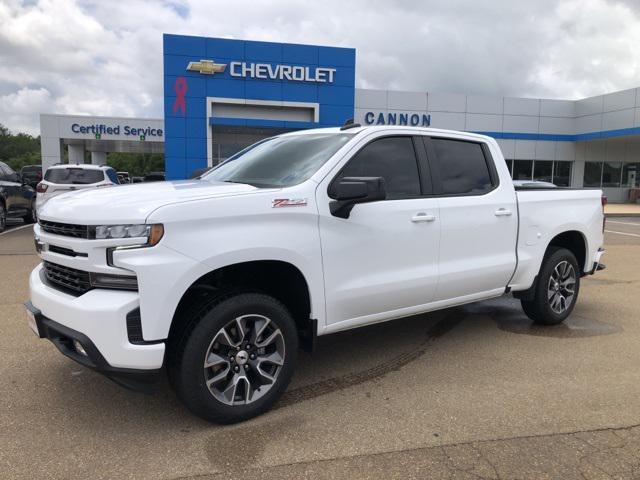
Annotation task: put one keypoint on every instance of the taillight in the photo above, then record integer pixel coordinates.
(604, 218)
(42, 187)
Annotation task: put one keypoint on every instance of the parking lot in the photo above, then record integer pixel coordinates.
(469, 392)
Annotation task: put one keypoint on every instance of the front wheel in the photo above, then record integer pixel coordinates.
(556, 289)
(235, 357)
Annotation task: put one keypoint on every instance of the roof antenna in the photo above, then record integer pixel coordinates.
(349, 124)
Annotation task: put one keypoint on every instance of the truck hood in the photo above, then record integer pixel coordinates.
(132, 203)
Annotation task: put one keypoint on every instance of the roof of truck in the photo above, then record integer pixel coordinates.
(390, 128)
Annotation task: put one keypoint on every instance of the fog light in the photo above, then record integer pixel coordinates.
(79, 348)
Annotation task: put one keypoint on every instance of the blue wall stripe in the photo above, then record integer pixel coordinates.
(551, 137)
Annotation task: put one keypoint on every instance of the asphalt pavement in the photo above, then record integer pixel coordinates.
(469, 392)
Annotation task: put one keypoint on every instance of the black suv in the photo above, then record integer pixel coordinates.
(17, 200)
(31, 175)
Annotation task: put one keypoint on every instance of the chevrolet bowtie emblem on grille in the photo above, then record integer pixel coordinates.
(208, 67)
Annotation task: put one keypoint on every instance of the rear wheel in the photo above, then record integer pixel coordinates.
(556, 290)
(31, 217)
(235, 357)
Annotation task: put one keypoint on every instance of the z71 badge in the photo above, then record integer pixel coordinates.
(289, 202)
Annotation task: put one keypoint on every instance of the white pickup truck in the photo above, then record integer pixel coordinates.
(221, 279)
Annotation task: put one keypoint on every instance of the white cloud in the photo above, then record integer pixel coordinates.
(105, 57)
(17, 108)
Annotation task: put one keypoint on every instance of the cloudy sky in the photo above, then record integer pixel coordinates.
(104, 57)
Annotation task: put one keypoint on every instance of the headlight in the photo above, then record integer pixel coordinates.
(153, 233)
(106, 280)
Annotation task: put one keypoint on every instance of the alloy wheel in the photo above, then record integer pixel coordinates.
(244, 359)
(561, 287)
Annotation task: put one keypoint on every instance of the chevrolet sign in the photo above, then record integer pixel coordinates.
(207, 67)
(295, 73)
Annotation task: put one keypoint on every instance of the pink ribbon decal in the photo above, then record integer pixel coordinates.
(180, 87)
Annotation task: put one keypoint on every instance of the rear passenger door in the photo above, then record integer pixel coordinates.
(479, 220)
(382, 261)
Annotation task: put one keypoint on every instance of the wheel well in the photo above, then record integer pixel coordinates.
(574, 242)
(281, 280)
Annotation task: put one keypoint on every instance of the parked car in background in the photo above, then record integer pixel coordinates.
(137, 179)
(66, 178)
(31, 175)
(17, 199)
(124, 177)
(154, 177)
(533, 184)
(219, 280)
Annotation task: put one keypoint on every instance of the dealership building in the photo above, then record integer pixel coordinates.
(221, 95)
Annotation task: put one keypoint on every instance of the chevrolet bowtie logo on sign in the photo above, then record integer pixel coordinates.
(293, 73)
(207, 67)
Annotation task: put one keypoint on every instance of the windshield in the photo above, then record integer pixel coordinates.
(73, 176)
(280, 161)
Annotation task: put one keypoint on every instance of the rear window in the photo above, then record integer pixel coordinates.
(77, 176)
(463, 167)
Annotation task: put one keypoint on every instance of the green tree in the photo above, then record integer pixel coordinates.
(18, 150)
(137, 164)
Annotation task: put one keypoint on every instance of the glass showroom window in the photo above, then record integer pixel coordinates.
(592, 174)
(509, 166)
(631, 175)
(543, 170)
(522, 169)
(557, 172)
(562, 173)
(611, 172)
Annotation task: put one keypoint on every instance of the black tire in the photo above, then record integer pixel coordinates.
(3, 217)
(541, 309)
(190, 347)
(31, 216)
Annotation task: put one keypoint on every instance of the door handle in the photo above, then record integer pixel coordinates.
(423, 217)
(502, 212)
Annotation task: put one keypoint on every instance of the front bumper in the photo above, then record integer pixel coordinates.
(97, 318)
(63, 338)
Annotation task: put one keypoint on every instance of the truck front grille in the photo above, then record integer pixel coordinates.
(65, 229)
(77, 281)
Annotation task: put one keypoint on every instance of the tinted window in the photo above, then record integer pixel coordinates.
(79, 176)
(280, 161)
(113, 176)
(7, 173)
(392, 158)
(463, 168)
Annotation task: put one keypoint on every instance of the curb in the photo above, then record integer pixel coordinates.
(16, 229)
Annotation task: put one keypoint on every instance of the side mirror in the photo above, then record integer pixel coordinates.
(349, 191)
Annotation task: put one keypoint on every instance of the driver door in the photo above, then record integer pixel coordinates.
(382, 261)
